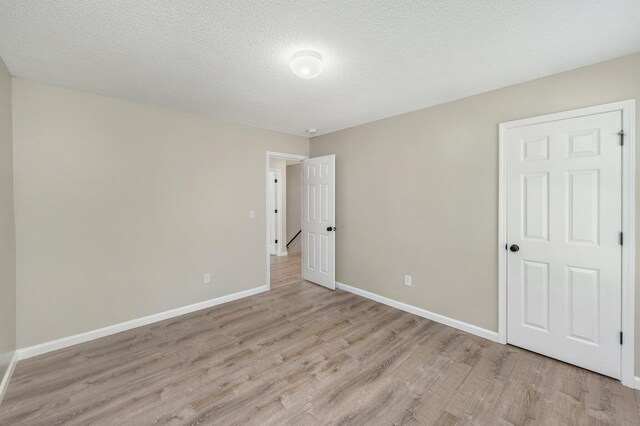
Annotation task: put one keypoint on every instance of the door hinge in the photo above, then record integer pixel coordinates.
(621, 337)
(621, 238)
(276, 241)
(276, 210)
(276, 181)
(621, 133)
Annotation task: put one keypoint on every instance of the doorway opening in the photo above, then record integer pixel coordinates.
(284, 216)
(300, 202)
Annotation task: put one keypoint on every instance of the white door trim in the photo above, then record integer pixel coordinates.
(280, 222)
(284, 156)
(628, 223)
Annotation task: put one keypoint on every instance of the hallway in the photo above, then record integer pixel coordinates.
(286, 270)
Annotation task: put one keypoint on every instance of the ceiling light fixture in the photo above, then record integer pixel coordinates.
(306, 64)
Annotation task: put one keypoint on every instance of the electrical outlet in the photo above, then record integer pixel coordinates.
(407, 280)
(207, 278)
(252, 214)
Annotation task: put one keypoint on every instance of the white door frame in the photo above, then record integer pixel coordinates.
(279, 222)
(628, 223)
(284, 156)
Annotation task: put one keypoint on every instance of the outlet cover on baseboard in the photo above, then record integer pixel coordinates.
(207, 278)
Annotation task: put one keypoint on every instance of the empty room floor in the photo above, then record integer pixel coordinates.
(301, 354)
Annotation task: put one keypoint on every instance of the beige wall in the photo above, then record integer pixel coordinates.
(294, 205)
(122, 207)
(7, 232)
(418, 193)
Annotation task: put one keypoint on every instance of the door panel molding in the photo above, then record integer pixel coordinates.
(582, 145)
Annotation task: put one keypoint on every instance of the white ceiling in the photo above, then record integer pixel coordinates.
(229, 58)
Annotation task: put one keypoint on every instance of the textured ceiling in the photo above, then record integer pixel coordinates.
(229, 58)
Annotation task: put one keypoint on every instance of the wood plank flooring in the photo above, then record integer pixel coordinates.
(286, 270)
(304, 355)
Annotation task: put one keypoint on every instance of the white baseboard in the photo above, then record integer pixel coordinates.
(460, 325)
(7, 375)
(636, 382)
(64, 342)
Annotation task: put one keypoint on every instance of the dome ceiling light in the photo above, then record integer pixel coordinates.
(306, 64)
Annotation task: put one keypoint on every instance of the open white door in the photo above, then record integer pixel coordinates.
(318, 220)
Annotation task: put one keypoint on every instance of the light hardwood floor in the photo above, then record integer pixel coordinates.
(286, 270)
(301, 354)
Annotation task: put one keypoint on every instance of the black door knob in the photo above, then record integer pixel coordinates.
(331, 228)
(514, 248)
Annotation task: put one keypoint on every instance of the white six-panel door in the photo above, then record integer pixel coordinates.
(564, 215)
(318, 220)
